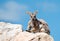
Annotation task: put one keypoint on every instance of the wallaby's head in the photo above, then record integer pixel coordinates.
(32, 15)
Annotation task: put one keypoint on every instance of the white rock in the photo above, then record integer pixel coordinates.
(13, 32)
(8, 31)
(25, 36)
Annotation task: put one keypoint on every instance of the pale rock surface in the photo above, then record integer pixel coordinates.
(13, 32)
(25, 36)
(8, 31)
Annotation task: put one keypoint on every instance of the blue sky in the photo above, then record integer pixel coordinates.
(14, 11)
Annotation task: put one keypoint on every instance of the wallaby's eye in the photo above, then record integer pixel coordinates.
(31, 16)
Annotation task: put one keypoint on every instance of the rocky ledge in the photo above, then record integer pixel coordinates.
(13, 32)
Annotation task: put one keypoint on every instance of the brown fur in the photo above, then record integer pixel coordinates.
(34, 24)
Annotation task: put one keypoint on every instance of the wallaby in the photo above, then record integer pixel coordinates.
(33, 24)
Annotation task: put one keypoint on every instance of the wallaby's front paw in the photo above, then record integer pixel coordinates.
(28, 31)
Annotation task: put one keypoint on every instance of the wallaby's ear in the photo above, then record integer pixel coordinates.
(28, 13)
(36, 12)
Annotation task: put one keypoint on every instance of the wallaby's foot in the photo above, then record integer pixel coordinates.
(28, 31)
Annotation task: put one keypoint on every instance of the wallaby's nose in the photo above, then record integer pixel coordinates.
(33, 19)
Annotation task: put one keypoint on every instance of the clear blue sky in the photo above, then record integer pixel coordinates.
(14, 11)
